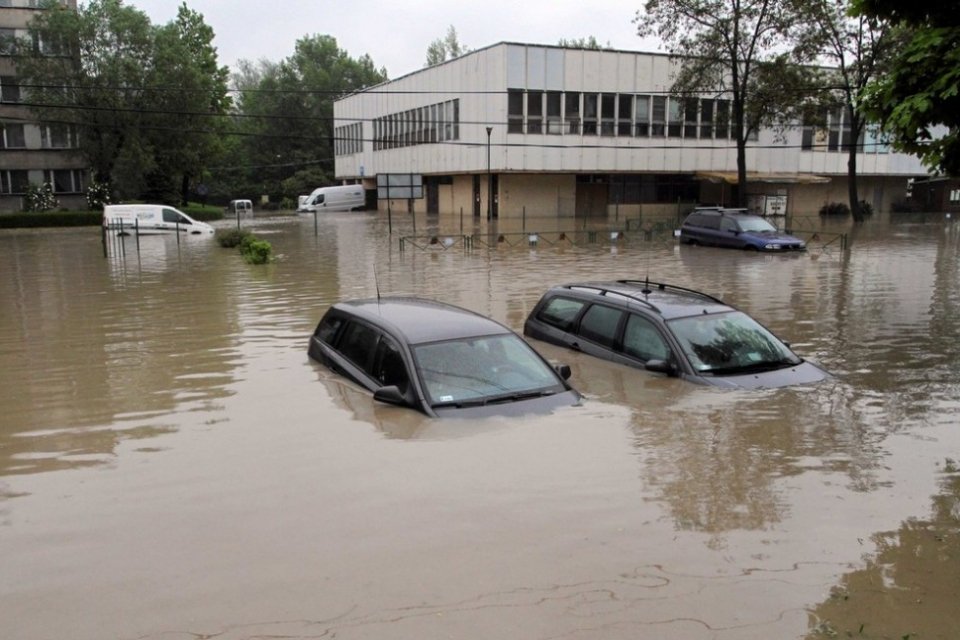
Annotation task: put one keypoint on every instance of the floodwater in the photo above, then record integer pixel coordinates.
(174, 467)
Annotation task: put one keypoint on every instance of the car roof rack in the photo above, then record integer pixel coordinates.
(660, 286)
(663, 286)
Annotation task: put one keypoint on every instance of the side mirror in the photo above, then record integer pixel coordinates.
(390, 395)
(563, 370)
(661, 366)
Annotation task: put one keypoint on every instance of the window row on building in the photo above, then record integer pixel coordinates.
(11, 40)
(438, 122)
(64, 181)
(830, 131)
(618, 114)
(42, 136)
(27, 4)
(646, 188)
(348, 139)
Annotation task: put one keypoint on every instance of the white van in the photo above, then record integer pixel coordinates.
(342, 198)
(241, 208)
(149, 219)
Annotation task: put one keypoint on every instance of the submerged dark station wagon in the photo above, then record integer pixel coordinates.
(736, 229)
(438, 358)
(670, 330)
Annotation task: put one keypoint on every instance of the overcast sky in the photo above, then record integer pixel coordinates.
(396, 34)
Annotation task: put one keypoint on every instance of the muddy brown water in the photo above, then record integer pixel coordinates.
(173, 466)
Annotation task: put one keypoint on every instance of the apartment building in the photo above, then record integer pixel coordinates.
(520, 129)
(31, 151)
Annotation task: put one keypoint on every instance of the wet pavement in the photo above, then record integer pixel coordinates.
(173, 466)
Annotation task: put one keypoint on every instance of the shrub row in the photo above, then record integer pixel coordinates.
(51, 219)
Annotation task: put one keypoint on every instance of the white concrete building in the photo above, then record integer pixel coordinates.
(551, 131)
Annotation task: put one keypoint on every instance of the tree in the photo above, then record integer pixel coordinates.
(734, 47)
(190, 91)
(582, 43)
(921, 91)
(287, 123)
(857, 50)
(146, 100)
(446, 48)
(90, 75)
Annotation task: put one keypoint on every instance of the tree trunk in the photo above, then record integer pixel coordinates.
(185, 189)
(856, 125)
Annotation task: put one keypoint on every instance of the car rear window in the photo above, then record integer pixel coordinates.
(328, 327)
(561, 312)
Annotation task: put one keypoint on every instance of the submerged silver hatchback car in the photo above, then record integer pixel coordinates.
(437, 358)
(669, 330)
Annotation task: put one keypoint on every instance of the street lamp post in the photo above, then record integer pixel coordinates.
(489, 180)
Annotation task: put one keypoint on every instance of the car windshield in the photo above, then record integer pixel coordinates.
(756, 225)
(730, 343)
(498, 368)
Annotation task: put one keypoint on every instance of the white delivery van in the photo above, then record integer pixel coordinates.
(241, 208)
(150, 219)
(342, 198)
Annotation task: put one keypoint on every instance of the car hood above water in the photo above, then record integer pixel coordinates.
(803, 373)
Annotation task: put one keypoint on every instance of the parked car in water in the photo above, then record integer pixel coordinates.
(438, 358)
(670, 330)
(737, 229)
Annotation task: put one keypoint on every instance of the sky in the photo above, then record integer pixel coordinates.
(396, 34)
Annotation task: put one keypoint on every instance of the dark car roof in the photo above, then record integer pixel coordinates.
(669, 301)
(419, 320)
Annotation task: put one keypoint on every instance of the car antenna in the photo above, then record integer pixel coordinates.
(646, 286)
(376, 281)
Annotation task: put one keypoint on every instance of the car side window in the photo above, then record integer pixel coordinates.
(169, 215)
(561, 312)
(711, 222)
(642, 340)
(357, 344)
(327, 330)
(728, 224)
(389, 368)
(600, 324)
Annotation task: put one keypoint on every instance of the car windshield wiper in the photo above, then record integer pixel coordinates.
(497, 399)
(756, 367)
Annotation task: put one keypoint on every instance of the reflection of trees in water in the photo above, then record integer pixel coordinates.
(731, 342)
(910, 588)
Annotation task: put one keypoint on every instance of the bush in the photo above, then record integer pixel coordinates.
(838, 209)
(256, 251)
(40, 197)
(866, 209)
(98, 196)
(231, 238)
(253, 250)
(51, 219)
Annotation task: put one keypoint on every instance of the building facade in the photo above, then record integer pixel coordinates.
(32, 151)
(518, 129)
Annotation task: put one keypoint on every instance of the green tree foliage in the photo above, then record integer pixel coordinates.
(858, 51)
(192, 89)
(740, 50)
(589, 42)
(285, 118)
(921, 91)
(144, 99)
(446, 48)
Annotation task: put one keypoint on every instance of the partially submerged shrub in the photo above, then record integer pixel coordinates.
(40, 197)
(231, 238)
(838, 209)
(256, 251)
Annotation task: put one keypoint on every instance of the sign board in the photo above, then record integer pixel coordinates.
(399, 186)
